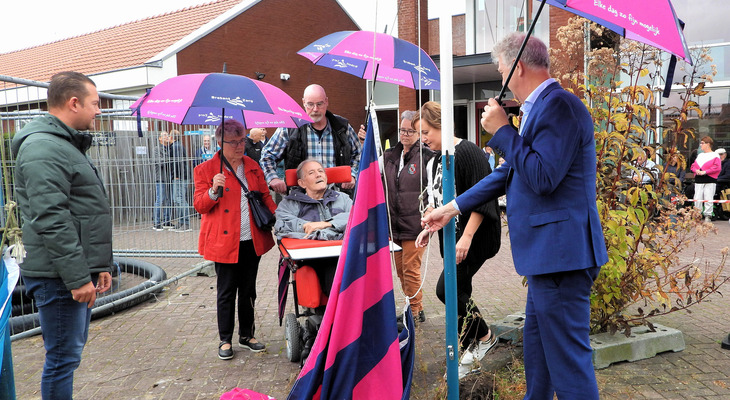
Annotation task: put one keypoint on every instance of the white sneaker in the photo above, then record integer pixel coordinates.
(466, 364)
(480, 349)
(708, 219)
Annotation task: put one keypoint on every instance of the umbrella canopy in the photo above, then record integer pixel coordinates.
(648, 21)
(203, 99)
(369, 54)
(653, 22)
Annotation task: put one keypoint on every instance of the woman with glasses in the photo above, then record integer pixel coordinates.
(477, 232)
(706, 168)
(229, 236)
(406, 178)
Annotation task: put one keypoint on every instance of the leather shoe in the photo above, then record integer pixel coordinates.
(225, 354)
(421, 316)
(254, 347)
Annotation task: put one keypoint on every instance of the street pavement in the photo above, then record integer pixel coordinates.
(166, 348)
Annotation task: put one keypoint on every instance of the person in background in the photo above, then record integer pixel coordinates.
(255, 142)
(329, 139)
(706, 168)
(229, 236)
(204, 152)
(477, 232)
(163, 177)
(646, 170)
(723, 182)
(676, 166)
(554, 227)
(406, 178)
(489, 153)
(67, 225)
(180, 182)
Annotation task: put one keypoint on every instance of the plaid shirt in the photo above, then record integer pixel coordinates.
(321, 149)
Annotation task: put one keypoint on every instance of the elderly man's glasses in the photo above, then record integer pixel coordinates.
(407, 132)
(235, 143)
(310, 105)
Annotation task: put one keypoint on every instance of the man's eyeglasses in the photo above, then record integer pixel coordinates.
(407, 132)
(310, 105)
(235, 143)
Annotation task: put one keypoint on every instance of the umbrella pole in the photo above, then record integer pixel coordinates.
(519, 54)
(223, 136)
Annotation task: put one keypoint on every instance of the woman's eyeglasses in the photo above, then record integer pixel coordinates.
(407, 132)
(235, 143)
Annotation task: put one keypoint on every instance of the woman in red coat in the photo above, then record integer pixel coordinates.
(229, 236)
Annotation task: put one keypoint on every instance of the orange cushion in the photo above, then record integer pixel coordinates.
(309, 291)
(339, 174)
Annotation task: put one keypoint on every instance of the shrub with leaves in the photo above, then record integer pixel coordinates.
(644, 225)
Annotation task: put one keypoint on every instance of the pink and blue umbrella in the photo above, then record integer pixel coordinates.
(375, 56)
(205, 99)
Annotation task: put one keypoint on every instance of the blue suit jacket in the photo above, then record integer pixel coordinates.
(549, 176)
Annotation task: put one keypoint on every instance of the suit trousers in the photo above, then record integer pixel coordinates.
(557, 350)
(408, 268)
(232, 279)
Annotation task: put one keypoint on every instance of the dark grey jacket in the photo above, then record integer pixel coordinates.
(297, 209)
(67, 225)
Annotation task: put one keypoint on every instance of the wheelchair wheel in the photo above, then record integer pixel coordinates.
(293, 338)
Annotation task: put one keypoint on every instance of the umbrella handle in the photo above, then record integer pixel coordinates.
(519, 54)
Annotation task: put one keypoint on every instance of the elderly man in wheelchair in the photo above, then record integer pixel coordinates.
(310, 222)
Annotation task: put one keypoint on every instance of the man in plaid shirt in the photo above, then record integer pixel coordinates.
(329, 139)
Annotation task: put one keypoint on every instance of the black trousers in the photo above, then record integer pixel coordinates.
(471, 326)
(232, 279)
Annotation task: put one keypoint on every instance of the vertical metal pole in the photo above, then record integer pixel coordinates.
(447, 159)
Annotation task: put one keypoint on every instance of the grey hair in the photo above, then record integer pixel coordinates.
(408, 115)
(301, 165)
(535, 54)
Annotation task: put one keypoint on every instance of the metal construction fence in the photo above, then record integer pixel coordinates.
(128, 165)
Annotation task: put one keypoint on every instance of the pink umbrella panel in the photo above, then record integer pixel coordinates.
(203, 99)
(653, 22)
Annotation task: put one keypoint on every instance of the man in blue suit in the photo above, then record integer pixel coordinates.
(549, 176)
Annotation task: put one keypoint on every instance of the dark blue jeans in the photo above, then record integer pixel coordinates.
(161, 211)
(65, 326)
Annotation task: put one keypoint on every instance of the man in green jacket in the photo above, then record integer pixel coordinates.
(67, 226)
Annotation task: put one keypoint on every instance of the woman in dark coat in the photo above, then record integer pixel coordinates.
(406, 177)
(477, 233)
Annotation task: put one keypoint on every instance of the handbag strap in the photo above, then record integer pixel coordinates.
(228, 165)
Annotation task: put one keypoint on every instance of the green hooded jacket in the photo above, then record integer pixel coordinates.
(67, 225)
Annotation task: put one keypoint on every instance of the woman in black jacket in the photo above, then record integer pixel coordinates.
(481, 227)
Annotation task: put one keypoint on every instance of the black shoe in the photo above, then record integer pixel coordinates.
(226, 354)
(168, 225)
(421, 316)
(157, 228)
(254, 347)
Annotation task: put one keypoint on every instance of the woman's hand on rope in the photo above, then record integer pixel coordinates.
(423, 238)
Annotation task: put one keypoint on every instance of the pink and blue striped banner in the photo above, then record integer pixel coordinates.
(356, 353)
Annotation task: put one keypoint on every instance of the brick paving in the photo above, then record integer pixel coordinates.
(166, 348)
